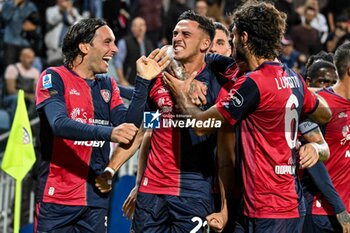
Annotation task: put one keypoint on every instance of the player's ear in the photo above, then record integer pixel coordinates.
(244, 37)
(84, 48)
(206, 44)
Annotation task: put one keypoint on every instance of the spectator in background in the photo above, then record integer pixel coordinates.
(334, 9)
(201, 7)
(116, 13)
(288, 7)
(215, 9)
(21, 75)
(18, 16)
(152, 13)
(131, 48)
(176, 8)
(291, 57)
(319, 22)
(221, 44)
(58, 17)
(340, 35)
(306, 38)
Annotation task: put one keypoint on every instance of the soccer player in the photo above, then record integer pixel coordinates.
(80, 111)
(174, 194)
(267, 103)
(336, 134)
(221, 43)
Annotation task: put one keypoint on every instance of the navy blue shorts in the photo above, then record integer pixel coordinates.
(56, 218)
(321, 223)
(263, 225)
(166, 213)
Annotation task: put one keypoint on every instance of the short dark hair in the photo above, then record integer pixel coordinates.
(220, 26)
(342, 59)
(322, 55)
(312, 71)
(204, 23)
(265, 26)
(81, 32)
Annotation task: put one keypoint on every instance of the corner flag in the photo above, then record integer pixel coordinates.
(19, 154)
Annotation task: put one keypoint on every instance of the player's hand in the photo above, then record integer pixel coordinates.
(217, 221)
(149, 67)
(308, 156)
(344, 220)
(179, 88)
(104, 182)
(197, 92)
(124, 133)
(130, 203)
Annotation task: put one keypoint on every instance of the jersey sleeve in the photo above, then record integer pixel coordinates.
(49, 88)
(224, 90)
(116, 99)
(223, 67)
(307, 126)
(242, 99)
(134, 113)
(310, 100)
(323, 182)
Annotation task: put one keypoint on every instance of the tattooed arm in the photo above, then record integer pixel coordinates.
(344, 220)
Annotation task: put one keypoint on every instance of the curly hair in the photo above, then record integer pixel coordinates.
(204, 23)
(265, 26)
(312, 71)
(322, 55)
(81, 32)
(342, 59)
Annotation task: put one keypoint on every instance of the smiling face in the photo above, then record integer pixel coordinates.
(100, 50)
(189, 40)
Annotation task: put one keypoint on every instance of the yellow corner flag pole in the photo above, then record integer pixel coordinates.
(19, 155)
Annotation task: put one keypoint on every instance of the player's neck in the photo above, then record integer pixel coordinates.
(194, 66)
(342, 88)
(82, 71)
(254, 62)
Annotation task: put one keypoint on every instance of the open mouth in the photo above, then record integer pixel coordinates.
(106, 59)
(178, 48)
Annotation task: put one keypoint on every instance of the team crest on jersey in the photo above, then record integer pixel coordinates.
(235, 98)
(106, 95)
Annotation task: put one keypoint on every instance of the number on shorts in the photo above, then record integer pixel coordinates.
(199, 225)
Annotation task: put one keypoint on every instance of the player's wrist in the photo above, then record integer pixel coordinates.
(316, 146)
(110, 170)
